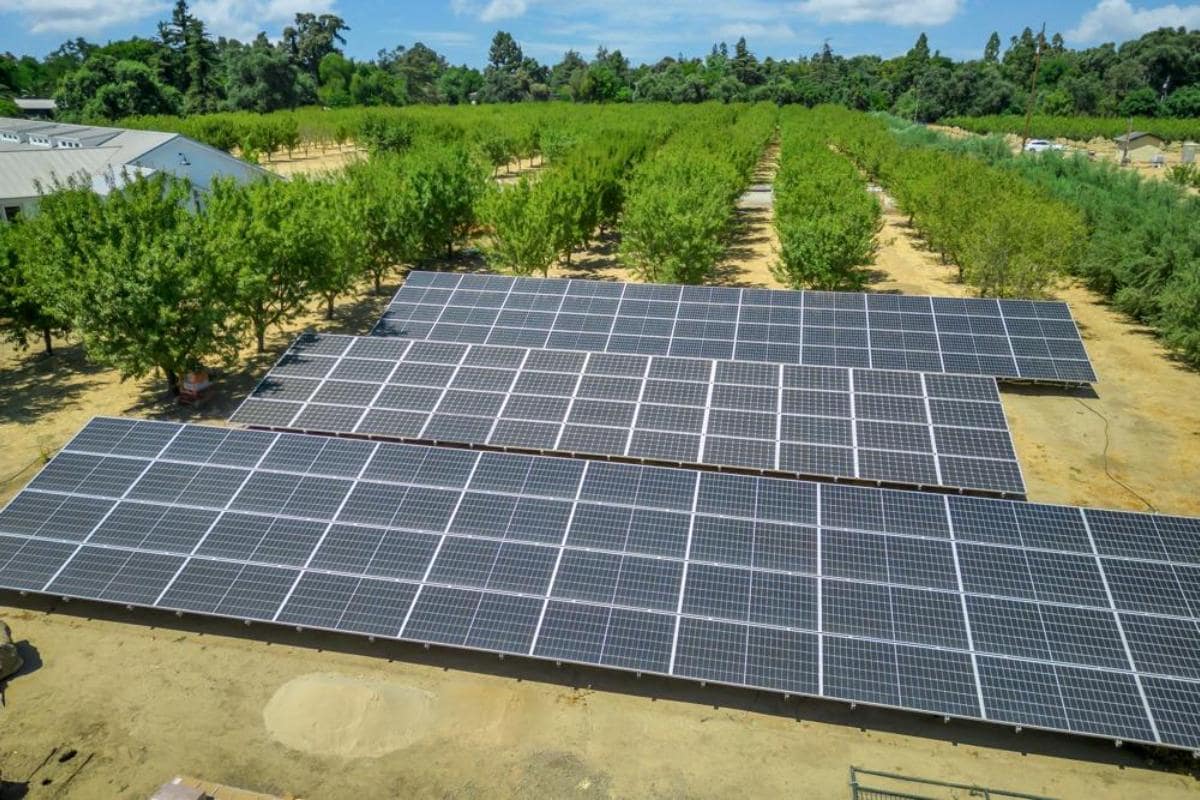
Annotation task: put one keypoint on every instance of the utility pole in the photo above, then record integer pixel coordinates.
(1037, 65)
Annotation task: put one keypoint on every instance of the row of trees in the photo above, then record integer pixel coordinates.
(150, 279)
(825, 219)
(1185, 126)
(1008, 237)
(535, 222)
(184, 70)
(1142, 245)
(679, 205)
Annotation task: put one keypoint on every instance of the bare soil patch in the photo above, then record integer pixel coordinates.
(149, 696)
(1131, 442)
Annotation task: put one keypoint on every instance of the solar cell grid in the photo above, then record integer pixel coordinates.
(874, 426)
(1015, 339)
(703, 575)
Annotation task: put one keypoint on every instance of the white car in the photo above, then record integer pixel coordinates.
(1041, 146)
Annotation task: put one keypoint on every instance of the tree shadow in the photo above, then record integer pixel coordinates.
(751, 230)
(601, 256)
(39, 383)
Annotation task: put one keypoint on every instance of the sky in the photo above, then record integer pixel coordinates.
(644, 30)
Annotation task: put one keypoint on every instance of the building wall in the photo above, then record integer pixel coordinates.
(202, 165)
(1144, 152)
(26, 206)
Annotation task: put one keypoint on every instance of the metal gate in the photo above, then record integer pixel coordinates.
(867, 784)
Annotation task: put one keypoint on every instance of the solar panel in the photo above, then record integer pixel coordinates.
(1011, 339)
(876, 426)
(1019, 614)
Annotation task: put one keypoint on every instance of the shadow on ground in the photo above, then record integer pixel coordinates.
(652, 688)
(42, 383)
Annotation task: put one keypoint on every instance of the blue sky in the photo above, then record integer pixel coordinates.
(643, 29)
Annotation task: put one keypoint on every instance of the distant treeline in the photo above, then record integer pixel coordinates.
(184, 70)
(1081, 128)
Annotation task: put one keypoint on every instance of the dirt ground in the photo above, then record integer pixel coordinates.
(1099, 149)
(1130, 442)
(314, 160)
(142, 696)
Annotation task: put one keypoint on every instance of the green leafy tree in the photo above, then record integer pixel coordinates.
(107, 89)
(457, 84)
(383, 210)
(1140, 103)
(504, 79)
(148, 297)
(826, 220)
(420, 68)
(260, 77)
(313, 37)
(446, 183)
(45, 252)
(1183, 102)
(333, 212)
(991, 51)
(520, 222)
(263, 237)
(32, 289)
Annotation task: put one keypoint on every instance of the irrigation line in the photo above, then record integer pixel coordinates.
(1107, 471)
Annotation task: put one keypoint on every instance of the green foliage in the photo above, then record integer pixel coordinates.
(825, 219)
(1141, 246)
(1080, 128)
(266, 237)
(28, 308)
(382, 210)
(521, 228)
(147, 296)
(1008, 237)
(43, 254)
(1184, 175)
(104, 88)
(679, 205)
(386, 134)
(446, 183)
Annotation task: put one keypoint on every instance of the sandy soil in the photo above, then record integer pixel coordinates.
(1098, 148)
(142, 696)
(1128, 442)
(146, 695)
(313, 161)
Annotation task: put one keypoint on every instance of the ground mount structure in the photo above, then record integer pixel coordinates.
(716, 569)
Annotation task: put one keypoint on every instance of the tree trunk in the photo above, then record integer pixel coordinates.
(328, 306)
(172, 383)
(450, 249)
(46, 339)
(378, 282)
(260, 332)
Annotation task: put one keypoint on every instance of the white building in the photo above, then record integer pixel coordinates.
(36, 153)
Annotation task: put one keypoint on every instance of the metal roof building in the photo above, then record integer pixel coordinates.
(35, 154)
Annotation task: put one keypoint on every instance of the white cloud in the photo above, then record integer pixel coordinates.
(453, 38)
(756, 31)
(891, 12)
(243, 19)
(1118, 20)
(503, 9)
(78, 17)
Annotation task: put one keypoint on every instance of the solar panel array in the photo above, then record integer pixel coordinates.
(872, 425)
(1016, 339)
(1031, 615)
